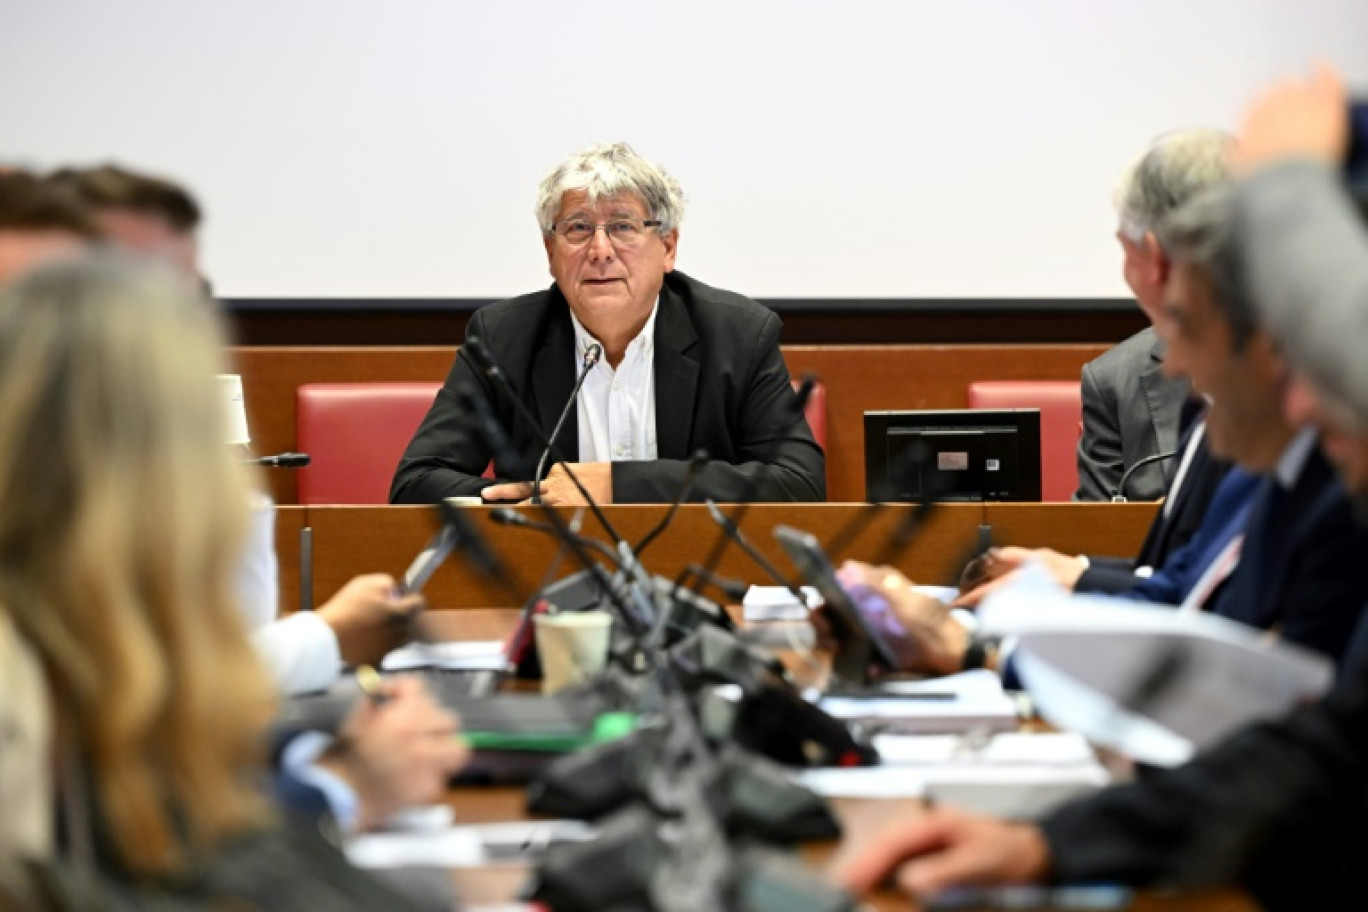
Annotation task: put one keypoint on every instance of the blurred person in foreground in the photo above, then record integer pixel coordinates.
(123, 523)
(38, 223)
(146, 215)
(1279, 808)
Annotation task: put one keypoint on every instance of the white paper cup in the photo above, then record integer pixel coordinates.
(573, 646)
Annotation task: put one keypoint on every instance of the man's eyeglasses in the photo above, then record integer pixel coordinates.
(622, 232)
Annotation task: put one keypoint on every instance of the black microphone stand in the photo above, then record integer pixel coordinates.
(591, 357)
(1120, 495)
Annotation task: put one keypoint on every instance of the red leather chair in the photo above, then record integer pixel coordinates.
(816, 411)
(1061, 423)
(355, 434)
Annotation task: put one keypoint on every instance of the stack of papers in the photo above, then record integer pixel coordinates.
(474, 655)
(1013, 775)
(1155, 683)
(969, 701)
(776, 603)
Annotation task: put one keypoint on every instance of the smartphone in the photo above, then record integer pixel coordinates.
(859, 644)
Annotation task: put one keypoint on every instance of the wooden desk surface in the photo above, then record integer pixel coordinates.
(352, 540)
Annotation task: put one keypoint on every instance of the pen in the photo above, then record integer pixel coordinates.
(933, 695)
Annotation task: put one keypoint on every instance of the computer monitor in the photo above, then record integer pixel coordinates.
(957, 454)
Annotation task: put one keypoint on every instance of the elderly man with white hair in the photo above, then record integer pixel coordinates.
(1130, 409)
(683, 367)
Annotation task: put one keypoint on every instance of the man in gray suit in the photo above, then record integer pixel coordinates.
(1130, 410)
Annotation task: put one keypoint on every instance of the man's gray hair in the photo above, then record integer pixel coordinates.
(607, 170)
(1201, 233)
(1174, 169)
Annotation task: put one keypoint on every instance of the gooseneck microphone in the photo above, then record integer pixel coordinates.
(696, 462)
(507, 516)
(1120, 495)
(592, 355)
(724, 540)
(479, 358)
(733, 532)
(282, 460)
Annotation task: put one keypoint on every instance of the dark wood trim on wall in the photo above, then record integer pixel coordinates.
(808, 321)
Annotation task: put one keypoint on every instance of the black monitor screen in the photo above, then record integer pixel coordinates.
(965, 454)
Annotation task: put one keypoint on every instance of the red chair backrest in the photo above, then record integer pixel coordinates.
(815, 410)
(355, 434)
(1061, 422)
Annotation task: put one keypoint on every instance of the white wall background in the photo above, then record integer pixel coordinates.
(899, 148)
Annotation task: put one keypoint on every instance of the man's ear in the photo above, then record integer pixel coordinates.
(671, 242)
(1157, 264)
(547, 241)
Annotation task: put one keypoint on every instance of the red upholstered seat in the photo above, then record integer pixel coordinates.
(1061, 423)
(355, 434)
(816, 411)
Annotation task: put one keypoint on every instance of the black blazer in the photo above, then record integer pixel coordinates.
(720, 385)
(1300, 569)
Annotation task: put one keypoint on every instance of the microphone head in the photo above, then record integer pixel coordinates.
(482, 358)
(593, 354)
(805, 388)
(507, 516)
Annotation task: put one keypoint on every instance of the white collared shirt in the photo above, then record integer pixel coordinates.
(1294, 457)
(617, 419)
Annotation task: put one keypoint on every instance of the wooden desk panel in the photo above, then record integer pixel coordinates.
(352, 540)
(288, 521)
(859, 378)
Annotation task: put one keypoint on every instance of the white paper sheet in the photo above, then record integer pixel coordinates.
(453, 847)
(475, 655)
(972, 700)
(776, 603)
(1006, 749)
(1155, 683)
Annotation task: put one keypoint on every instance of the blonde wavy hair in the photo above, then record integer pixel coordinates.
(123, 517)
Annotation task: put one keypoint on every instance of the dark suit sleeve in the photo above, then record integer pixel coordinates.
(1278, 808)
(447, 455)
(1100, 461)
(776, 457)
(1108, 575)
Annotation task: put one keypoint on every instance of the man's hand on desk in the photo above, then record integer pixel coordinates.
(369, 618)
(999, 567)
(557, 489)
(944, 848)
(396, 752)
(932, 641)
